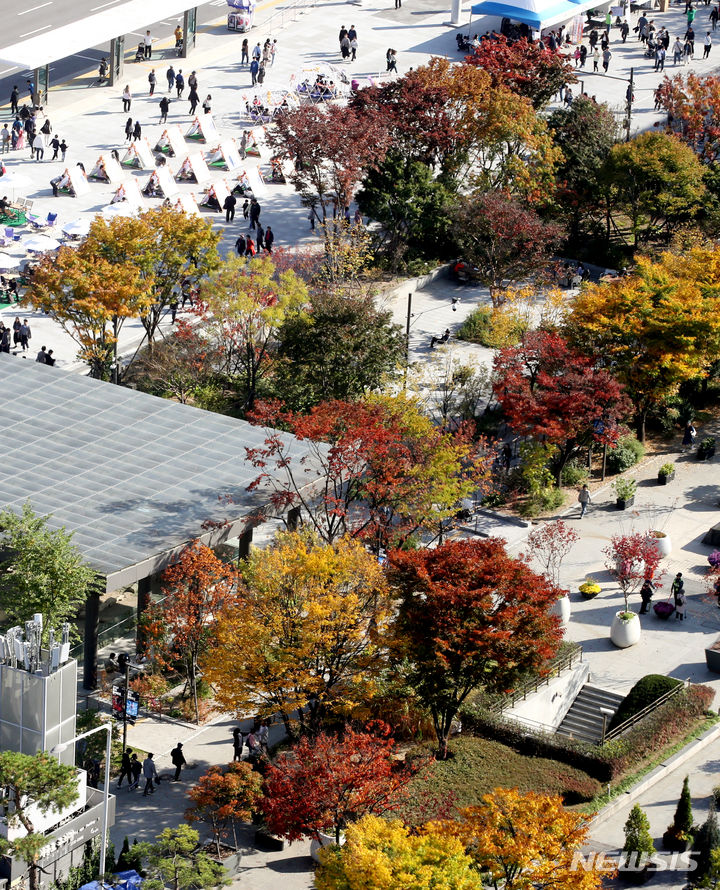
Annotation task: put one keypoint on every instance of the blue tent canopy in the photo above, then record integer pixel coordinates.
(532, 17)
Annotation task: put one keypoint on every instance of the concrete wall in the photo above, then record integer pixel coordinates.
(549, 705)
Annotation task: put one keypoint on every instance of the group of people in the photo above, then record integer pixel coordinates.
(246, 246)
(348, 43)
(677, 592)
(256, 740)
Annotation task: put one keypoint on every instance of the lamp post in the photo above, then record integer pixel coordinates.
(58, 749)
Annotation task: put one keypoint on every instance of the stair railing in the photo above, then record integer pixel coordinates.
(555, 666)
(636, 718)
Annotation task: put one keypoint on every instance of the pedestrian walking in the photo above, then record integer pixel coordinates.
(164, 108)
(254, 212)
(646, 594)
(170, 75)
(690, 16)
(136, 770)
(147, 45)
(25, 335)
(660, 58)
(677, 588)
(342, 34)
(229, 207)
(624, 30)
(678, 51)
(584, 500)
(178, 760)
(207, 104)
(38, 148)
(254, 66)
(714, 15)
(392, 61)
(179, 84)
(173, 306)
(246, 208)
(152, 80)
(708, 45)
(261, 72)
(192, 80)
(5, 136)
(596, 58)
(257, 52)
(273, 52)
(194, 99)
(125, 768)
(606, 56)
(263, 737)
(17, 324)
(583, 55)
(149, 770)
(253, 746)
(14, 96)
(241, 245)
(245, 52)
(249, 247)
(137, 131)
(46, 129)
(689, 436)
(63, 149)
(269, 238)
(690, 38)
(126, 98)
(259, 236)
(237, 732)
(680, 603)
(102, 70)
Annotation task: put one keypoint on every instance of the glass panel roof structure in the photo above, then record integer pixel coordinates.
(133, 476)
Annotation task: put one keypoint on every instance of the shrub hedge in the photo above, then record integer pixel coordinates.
(626, 454)
(609, 762)
(644, 693)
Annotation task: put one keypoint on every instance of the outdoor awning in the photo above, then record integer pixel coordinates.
(535, 13)
(93, 30)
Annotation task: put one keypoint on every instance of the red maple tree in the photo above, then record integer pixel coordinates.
(550, 543)
(382, 471)
(529, 69)
(505, 240)
(470, 615)
(180, 626)
(328, 781)
(548, 390)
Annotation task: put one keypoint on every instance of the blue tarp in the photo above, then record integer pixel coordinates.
(124, 880)
(527, 16)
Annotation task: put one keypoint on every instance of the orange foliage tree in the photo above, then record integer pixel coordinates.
(223, 797)
(180, 627)
(527, 840)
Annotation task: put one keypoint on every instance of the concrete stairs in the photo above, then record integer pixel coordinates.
(584, 720)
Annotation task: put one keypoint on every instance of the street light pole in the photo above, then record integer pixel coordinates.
(58, 749)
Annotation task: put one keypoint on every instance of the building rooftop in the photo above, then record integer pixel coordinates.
(133, 476)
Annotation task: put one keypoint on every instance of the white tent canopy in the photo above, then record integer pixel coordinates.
(93, 30)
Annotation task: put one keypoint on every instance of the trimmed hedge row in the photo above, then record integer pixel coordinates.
(606, 763)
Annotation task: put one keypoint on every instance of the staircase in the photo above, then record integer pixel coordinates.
(584, 720)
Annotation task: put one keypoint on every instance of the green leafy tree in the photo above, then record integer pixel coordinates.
(42, 570)
(637, 837)
(174, 861)
(683, 818)
(652, 182)
(407, 198)
(342, 348)
(705, 843)
(34, 781)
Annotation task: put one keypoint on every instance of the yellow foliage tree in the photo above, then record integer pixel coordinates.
(90, 298)
(523, 841)
(306, 632)
(245, 305)
(655, 328)
(382, 854)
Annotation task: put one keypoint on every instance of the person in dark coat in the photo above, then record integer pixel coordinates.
(137, 131)
(269, 238)
(229, 207)
(128, 129)
(125, 768)
(194, 99)
(178, 759)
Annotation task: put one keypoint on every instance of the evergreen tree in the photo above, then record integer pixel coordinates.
(707, 841)
(637, 838)
(683, 818)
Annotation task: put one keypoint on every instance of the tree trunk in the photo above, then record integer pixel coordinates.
(193, 681)
(641, 419)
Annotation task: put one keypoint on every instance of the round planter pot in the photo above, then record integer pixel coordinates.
(326, 840)
(625, 633)
(561, 608)
(663, 545)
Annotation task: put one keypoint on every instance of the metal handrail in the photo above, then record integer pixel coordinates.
(556, 665)
(648, 709)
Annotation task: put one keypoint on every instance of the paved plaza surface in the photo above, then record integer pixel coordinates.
(90, 117)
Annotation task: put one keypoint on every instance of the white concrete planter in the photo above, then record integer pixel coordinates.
(326, 840)
(625, 633)
(562, 609)
(662, 542)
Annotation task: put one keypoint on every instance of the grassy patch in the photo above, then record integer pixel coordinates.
(480, 765)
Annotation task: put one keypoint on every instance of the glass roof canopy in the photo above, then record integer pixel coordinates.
(133, 476)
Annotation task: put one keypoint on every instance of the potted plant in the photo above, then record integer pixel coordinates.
(549, 544)
(706, 449)
(666, 474)
(661, 541)
(589, 588)
(712, 657)
(625, 490)
(630, 559)
(678, 836)
(639, 846)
